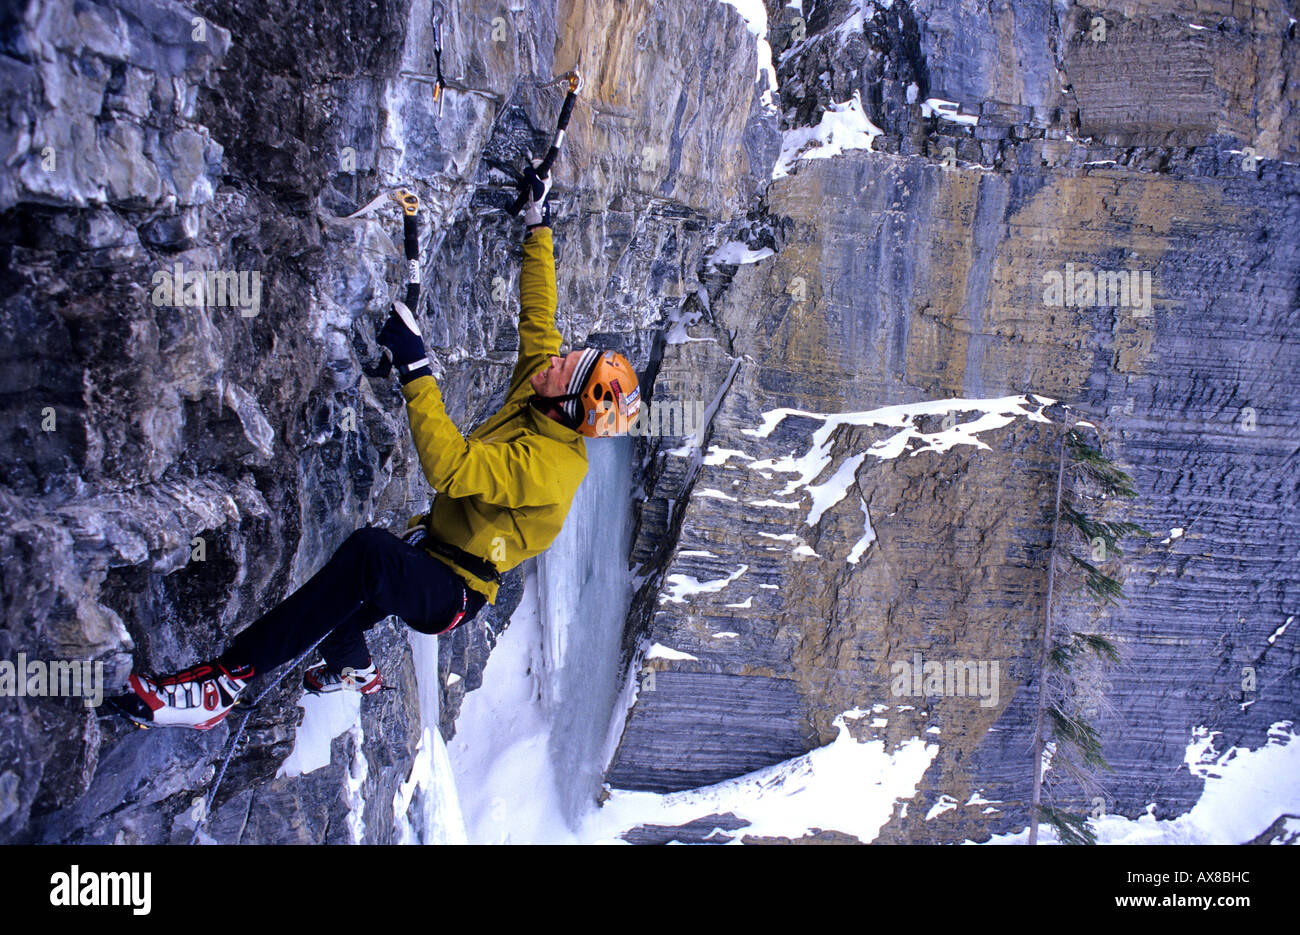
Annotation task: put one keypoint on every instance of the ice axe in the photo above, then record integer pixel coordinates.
(566, 111)
(410, 203)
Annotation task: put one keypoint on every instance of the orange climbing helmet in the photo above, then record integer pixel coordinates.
(605, 394)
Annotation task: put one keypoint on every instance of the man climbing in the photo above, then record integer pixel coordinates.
(502, 496)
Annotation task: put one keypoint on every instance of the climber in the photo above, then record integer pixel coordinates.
(502, 496)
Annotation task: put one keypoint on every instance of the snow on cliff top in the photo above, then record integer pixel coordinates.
(755, 15)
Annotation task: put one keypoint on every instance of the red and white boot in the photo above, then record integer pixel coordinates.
(199, 697)
(321, 679)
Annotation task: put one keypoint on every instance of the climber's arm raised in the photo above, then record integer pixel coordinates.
(539, 339)
(538, 336)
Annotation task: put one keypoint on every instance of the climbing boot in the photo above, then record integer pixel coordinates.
(199, 697)
(321, 680)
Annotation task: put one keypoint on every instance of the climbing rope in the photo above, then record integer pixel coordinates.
(234, 741)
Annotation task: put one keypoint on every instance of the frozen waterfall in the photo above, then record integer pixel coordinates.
(584, 589)
(532, 743)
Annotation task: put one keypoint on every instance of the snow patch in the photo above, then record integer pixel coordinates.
(994, 414)
(947, 110)
(718, 455)
(660, 651)
(354, 786)
(946, 803)
(325, 717)
(868, 536)
(678, 322)
(843, 127)
(854, 24)
(682, 586)
(845, 786)
(785, 505)
(737, 253)
(714, 494)
(1245, 792)
(825, 496)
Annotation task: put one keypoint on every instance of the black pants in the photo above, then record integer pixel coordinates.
(372, 574)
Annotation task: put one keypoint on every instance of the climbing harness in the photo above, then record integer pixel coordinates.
(574, 78)
(419, 536)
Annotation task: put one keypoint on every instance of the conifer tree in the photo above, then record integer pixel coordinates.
(1071, 662)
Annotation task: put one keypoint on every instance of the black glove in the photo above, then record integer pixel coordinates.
(401, 336)
(536, 210)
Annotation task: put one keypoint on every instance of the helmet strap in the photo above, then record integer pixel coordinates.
(547, 403)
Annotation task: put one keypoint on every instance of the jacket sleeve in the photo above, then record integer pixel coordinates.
(538, 336)
(510, 475)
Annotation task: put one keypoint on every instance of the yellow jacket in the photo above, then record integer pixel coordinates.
(503, 492)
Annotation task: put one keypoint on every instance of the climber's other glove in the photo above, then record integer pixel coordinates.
(401, 335)
(536, 209)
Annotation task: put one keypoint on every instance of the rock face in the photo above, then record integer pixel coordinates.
(916, 271)
(171, 471)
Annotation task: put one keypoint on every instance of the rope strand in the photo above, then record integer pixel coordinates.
(239, 732)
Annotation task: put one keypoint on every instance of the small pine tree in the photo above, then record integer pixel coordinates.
(1071, 662)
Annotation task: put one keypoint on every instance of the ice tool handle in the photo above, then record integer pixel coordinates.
(544, 168)
(410, 203)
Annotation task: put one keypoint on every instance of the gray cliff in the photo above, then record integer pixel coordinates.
(234, 135)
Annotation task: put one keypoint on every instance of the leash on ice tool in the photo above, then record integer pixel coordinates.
(202, 819)
(543, 168)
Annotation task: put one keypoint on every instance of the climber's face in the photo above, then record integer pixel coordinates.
(553, 379)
